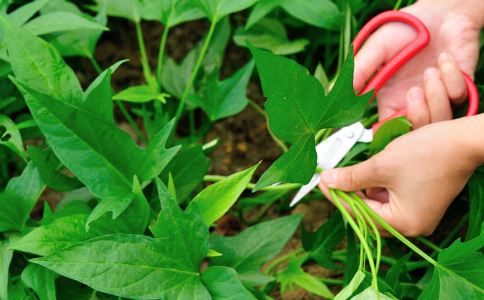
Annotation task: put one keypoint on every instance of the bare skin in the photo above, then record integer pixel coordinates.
(412, 182)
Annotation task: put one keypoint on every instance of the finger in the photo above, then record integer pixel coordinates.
(371, 56)
(436, 96)
(417, 109)
(354, 178)
(453, 78)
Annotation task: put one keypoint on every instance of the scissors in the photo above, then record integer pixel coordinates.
(332, 150)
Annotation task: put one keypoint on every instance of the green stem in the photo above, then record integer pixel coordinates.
(451, 236)
(94, 64)
(413, 265)
(195, 70)
(363, 219)
(144, 57)
(361, 225)
(161, 53)
(429, 244)
(131, 122)
(258, 108)
(370, 120)
(250, 186)
(376, 232)
(270, 268)
(331, 281)
(356, 229)
(394, 232)
(397, 5)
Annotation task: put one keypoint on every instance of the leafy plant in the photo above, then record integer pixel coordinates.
(105, 191)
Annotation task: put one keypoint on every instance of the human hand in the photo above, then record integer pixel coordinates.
(431, 81)
(411, 183)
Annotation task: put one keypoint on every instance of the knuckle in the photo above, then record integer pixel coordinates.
(458, 92)
(348, 178)
(379, 167)
(415, 229)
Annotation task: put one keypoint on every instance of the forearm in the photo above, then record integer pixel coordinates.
(473, 8)
(470, 134)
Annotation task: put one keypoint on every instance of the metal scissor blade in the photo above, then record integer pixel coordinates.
(306, 189)
(332, 150)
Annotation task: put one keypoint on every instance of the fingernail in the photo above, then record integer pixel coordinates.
(443, 57)
(431, 73)
(329, 178)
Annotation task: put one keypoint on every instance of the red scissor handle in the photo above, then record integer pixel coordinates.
(402, 57)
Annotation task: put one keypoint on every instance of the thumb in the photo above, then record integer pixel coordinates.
(354, 178)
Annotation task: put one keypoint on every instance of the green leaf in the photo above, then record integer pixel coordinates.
(48, 164)
(216, 9)
(96, 94)
(348, 290)
(59, 22)
(69, 121)
(476, 199)
(295, 98)
(213, 253)
(397, 274)
(253, 247)
(185, 229)
(322, 77)
(260, 10)
(10, 136)
(296, 165)
(51, 77)
(19, 197)
(175, 77)
(132, 266)
(228, 97)
(223, 283)
(6, 255)
(80, 42)
(215, 200)
(319, 13)
(389, 131)
(370, 294)
(458, 273)
(295, 275)
(22, 14)
(187, 168)
(298, 108)
(171, 12)
(269, 34)
(68, 228)
(140, 94)
(128, 9)
(322, 243)
(41, 280)
(100, 145)
(138, 221)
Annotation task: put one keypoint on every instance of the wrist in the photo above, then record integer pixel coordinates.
(470, 135)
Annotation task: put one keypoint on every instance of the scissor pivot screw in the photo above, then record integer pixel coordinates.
(350, 134)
